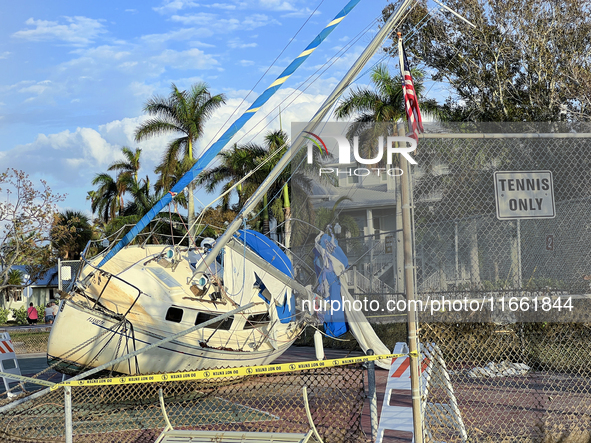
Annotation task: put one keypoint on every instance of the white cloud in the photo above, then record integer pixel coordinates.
(78, 31)
(226, 6)
(141, 89)
(246, 63)
(277, 5)
(219, 25)
(303, 13)
(103, 52)
(179, 35)
(5, 54)
(62, 155)
(238, 43)
(189, 59)
(171, 6)
(37, 88)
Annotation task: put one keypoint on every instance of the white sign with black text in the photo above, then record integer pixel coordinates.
(524, 194)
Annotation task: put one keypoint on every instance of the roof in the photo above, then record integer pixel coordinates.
(371, 197)
(48, 278)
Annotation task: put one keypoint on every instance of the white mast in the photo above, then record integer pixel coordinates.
(251, 203)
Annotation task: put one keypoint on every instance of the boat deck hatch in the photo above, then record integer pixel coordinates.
(164, 277)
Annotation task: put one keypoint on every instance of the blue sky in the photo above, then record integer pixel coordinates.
(74, 75)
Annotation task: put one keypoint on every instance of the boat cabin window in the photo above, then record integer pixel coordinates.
(224, 324)
(174, 314)
(256, 321)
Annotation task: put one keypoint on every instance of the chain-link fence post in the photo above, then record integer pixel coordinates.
(68, 413)
(373, 401)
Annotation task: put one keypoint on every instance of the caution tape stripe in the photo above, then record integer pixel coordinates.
(228, 372)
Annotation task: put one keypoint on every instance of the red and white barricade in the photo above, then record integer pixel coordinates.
(8, 363)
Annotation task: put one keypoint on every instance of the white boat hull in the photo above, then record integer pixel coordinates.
(138, 299)
(184, 354)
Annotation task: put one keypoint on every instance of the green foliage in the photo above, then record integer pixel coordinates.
(4, 315)
(70, 234)
(20, 315)
(40, 313)
(526, 60)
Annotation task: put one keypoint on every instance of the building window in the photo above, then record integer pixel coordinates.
(224, 324)
(352, 178)
(174, 314)
(12, 294)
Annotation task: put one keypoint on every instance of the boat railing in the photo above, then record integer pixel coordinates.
(109, 278)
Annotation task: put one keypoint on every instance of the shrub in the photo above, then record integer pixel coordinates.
(40, 313)
(20, 315)
(4, 315)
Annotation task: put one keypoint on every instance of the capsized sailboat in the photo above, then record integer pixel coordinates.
(132, 296)
(145, 293)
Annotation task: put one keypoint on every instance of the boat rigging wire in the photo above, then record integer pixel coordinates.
(311, 79)
(264, 74)
(210, 154)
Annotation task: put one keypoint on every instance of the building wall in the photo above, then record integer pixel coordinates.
(39, 296)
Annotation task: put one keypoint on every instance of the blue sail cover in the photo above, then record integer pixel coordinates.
(265, 248)
(329, 284)
(215, 149)
(270, 252)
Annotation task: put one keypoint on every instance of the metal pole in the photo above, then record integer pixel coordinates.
(410, 297)
(373, 401)
(457, 258)
(519, 254)
(59, 275)
(68, 413)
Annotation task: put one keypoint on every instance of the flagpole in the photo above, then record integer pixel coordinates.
(409, 281)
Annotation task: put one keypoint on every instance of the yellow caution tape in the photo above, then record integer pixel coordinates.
(210, 374)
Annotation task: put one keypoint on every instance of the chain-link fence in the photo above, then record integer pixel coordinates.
(68, 272)
(522, 374)
(460, 242)
(526, 382)
(132, 413)
(30, 341)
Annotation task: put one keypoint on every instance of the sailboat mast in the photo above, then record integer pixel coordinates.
(251, 203)
(216, 147)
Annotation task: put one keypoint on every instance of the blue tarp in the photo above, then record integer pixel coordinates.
(335, 324)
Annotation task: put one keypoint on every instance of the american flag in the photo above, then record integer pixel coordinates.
(411, 103)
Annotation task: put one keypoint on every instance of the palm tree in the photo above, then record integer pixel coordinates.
(239, 161)
(70, 234)
(14, 280)
(130, 165)
(235, 164)
(184, 112)
(385, 103)
(142, 198)
(105, 200)
(127, 171)
(325, 217)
